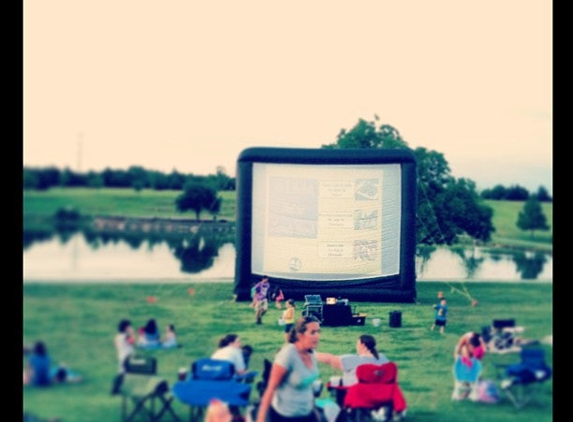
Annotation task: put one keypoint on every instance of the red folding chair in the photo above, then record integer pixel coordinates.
(376, 395)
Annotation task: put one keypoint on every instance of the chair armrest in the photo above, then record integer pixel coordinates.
(247, 377)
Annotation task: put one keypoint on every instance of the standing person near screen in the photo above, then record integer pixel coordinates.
(288, 318)
(278, 297)
(124, 341)
(262, 289)
(289, 395)
(441, 316)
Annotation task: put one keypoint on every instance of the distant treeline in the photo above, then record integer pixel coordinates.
(515, 193)
(134, 177)
(137, 177)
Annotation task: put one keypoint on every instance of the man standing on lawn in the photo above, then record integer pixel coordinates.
(261, 298)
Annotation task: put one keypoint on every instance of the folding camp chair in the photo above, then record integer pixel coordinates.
(522, 381)
(262, 384)
(212, 379)
(377, 395)
(144, 389)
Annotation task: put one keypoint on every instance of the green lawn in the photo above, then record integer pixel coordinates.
(78, 322)
(505, 215)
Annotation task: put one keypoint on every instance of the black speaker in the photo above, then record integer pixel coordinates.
(395, 319)
(336, 316)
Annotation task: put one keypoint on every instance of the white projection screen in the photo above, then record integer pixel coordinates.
(328, 222)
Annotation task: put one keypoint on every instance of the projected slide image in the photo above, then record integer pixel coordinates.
(291, 227)
(367, 189)
(365, 250)
(293, 207)
(320, 223)
(365, 220)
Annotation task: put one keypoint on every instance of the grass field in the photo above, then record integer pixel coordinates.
(78, 322)
(160, 204)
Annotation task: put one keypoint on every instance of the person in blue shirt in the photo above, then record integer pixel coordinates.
(441, 315)
(149, 335)
(40, 370)
(37, 370)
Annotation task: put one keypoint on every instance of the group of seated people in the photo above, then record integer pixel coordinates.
(230, 349)
(149, 336)
(468, 354)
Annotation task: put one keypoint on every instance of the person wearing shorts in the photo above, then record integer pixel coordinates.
(261, 298)
(288, 318)
(441, 316)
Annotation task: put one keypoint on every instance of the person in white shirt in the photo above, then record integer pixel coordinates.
(124, 341)
(230, 350)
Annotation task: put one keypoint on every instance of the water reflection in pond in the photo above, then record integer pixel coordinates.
(191, 256)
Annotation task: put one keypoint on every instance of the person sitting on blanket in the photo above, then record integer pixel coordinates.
(40, 371)
(149, 335)
(170, 338)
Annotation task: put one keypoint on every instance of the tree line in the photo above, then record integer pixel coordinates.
(515, 193)
(447, 207)
(135, 177)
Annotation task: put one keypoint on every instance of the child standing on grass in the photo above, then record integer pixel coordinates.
(278, 297)
(441, 315)
(288, 318)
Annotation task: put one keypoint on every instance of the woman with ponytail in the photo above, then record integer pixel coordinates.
(366, 352)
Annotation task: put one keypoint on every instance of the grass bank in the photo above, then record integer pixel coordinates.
(78, 322)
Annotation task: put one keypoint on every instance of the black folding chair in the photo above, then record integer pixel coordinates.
(144, 389)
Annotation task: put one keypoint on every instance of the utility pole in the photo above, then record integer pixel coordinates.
(80, 138)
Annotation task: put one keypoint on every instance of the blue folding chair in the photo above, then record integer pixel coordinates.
(521, 381)
(211, 379)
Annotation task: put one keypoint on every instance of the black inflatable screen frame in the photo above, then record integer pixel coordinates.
(399, 288)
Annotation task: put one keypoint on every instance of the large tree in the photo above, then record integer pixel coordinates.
(531, 217)
(446, 207)
(198, 197)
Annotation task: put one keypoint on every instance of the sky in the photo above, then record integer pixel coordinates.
(187, 85)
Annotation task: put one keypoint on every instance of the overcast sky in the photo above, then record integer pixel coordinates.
(188, 85)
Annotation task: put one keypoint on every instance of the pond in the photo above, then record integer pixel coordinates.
(105, 257)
